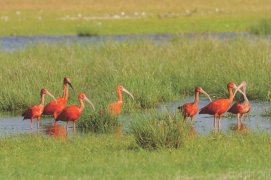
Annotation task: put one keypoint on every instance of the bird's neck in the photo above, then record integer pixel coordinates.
(42, 100)
(231, 96)
(196, 98)
(65, 91)
(245, 96)
(119, 96)
(82, 105)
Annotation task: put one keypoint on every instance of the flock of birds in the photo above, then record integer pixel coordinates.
(219, 106)
(61, 112)
(58, 109)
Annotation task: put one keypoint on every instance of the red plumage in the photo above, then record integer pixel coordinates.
(73, 112)
(220, 106)
(56, 106)
(70, 113)
(191, 109)
(241, 108)
(36, 110)
(33, 112)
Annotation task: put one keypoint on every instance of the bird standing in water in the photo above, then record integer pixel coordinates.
(191, 109)
(73, 112)
(241, 108)
(219, 106)
(55, 107)
(115, 107)
(36, 110)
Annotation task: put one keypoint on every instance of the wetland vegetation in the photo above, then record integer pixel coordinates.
(154, 146)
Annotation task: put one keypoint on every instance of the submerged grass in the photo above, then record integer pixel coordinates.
(104, 156)
(152, 72)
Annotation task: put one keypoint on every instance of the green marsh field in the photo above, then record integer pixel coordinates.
(153, 147)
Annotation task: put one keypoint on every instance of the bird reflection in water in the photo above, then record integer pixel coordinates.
(56, 131)
(243, 128)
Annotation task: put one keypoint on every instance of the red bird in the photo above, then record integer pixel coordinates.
(191, 109)
(241, 108)
(36, 110)
(55, 107)
(115, 107)
(219, 106)
(73, 112)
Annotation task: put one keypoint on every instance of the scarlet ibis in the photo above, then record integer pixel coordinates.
(73, 112)
(241, 108)
(55, 107)
(191, 109)
(36, 110)
(219, 106)
(115, 107)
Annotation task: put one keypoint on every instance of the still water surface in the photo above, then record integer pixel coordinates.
(11, 124)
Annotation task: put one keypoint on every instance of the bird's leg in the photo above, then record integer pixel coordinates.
(38, 125)
(184, 118)
(238, 119)
(31, 127)
(214, 121)
(67, 126)
(55, 116)
(219, 121)
(192, 119)
(242, 117)
(73, 126)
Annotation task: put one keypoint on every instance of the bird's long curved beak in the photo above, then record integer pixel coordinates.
(70, 84)
(206, 94)
(51, 95)
(90, 103)
(238, 89)
(126, 91)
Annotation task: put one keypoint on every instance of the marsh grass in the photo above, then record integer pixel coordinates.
(263, 27)
(92, 156)
(152, 72)
(161, 131)
(101, 122)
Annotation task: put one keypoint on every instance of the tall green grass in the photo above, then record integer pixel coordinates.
(152, 72)
(106, 157)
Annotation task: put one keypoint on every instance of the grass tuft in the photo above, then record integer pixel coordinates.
(263, 27)
(86, 31)
(165, 131)
(101, 122)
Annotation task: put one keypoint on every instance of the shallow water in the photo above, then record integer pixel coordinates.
(203, 123)
(13, 43)
(11, 124)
